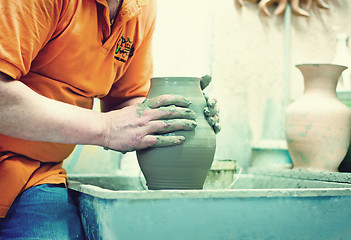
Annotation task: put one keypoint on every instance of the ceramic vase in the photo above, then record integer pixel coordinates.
(317, 123)
(184, 166)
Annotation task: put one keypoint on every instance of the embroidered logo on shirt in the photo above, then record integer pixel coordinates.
(124, 49)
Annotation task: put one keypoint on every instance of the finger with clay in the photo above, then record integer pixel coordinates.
(211, 112)
(139, 126)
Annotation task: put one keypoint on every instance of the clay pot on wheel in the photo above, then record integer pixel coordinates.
(318, 124)
(184, 166)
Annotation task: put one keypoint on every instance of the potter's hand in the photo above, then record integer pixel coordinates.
(211, 111)
(136, 127)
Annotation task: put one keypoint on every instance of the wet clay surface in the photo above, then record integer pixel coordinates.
(184, 166)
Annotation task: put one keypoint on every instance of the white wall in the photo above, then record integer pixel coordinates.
(249, 73)
(183, 38)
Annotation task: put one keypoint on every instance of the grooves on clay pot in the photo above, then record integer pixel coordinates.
(184, 166)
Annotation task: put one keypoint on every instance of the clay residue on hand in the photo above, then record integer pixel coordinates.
(177, 112)
(165, 100)
(217, 128)
(173, 125)
(141, 107)
(167, 141)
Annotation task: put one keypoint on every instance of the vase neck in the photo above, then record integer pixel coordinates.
(321, 79)
(321, 86)
(325, 92)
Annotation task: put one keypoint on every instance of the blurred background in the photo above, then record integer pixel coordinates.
(251, 58)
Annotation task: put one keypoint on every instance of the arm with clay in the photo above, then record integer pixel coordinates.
(27, 115)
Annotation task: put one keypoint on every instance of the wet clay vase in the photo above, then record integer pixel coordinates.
(318, 124)
(184, 166)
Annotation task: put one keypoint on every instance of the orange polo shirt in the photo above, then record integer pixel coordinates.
(65, 50)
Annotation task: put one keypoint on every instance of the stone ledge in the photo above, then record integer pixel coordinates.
(303, 174)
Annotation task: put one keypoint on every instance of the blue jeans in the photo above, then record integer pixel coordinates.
(46, 211)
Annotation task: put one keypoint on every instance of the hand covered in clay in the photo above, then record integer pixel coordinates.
(137, 127)
(211, 111)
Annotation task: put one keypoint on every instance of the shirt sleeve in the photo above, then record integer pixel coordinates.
(135, 82)
(26, 26)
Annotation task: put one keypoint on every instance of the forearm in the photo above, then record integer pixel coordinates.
(28, 115)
